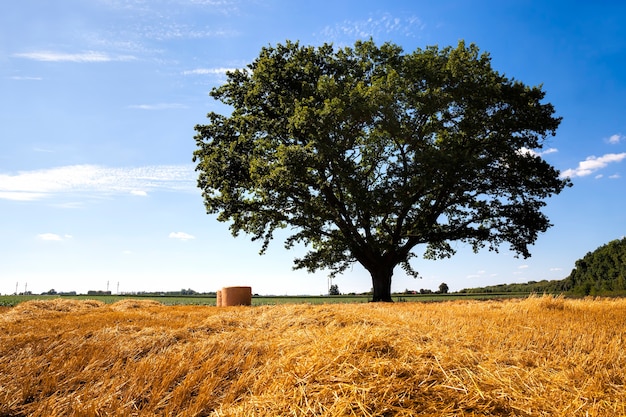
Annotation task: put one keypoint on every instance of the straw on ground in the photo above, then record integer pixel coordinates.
(539, 356)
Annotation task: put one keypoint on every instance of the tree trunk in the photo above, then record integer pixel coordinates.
(381, 283)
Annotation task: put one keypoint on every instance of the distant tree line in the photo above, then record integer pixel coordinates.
(443, 289)
(538, 287)
(182, 292)
(601, 272)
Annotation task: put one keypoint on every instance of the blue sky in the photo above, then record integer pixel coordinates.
(98, 100)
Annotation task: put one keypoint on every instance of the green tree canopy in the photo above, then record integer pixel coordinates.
(602, 271)
(366, 152)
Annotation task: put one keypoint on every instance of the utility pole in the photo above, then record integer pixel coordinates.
(118, 288)
(16, 284)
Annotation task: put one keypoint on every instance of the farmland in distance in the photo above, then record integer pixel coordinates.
(257, 300)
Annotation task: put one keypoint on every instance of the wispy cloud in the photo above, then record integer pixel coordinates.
(24, 78)
(208, 71)
(43, 150)
(181, 236)
(615, 139)
(526, 151)
(53, 237)
(158, 106)
(215, 6)
(375, 27)
(593, 164)
(171, 31)
(93, 179)
(83, 57)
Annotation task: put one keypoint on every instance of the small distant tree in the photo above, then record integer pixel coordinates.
(334, 290)
(443, 288)
(365, 153)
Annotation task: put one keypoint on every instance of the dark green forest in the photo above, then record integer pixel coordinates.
(601, 272)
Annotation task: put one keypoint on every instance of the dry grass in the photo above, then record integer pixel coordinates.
(541, 356)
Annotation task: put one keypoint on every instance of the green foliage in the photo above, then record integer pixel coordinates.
(531, 287)
(364, 153)
(600, 272)
(334, 290)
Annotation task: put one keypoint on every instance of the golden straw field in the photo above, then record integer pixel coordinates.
(541, 356)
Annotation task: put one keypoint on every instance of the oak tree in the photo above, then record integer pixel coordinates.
(367, 153)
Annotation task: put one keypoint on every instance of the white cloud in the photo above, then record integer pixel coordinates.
(89, 56)
(614, 176)
(556, 269)
(43, 150)
(208, 71)
(69, 204)
(478, 274)
(158, 106)
(93, 179)
(139, 193)
(169, 31)
(526, 151)
(181, 236)
(21, 78)
(593, 164)
(522, 267)
(374, 27)
(615, 139)
(215, 6)
(49, 237)
(21, 196)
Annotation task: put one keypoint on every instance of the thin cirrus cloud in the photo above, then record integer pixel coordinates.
(208, 71)
(158, 106)
(25, 78)
(593, 164)
(83, 57)
(531, 152)
(164, 31)
(615, 139)
(94, 180)
(374, 27)
(181, 236)
(53, 237)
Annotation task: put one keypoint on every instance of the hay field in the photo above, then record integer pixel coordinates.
(540, 356)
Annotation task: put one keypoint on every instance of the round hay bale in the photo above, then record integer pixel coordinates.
(236, 296)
